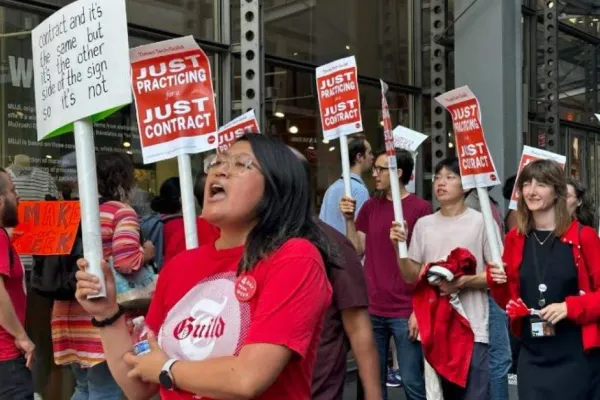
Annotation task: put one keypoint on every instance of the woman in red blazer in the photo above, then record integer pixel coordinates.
(550, 288)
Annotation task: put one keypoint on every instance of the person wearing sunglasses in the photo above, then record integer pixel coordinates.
(240, 317)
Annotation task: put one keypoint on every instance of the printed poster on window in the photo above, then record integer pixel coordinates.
(339, 100)
(476, 165)
(173, 91)
(236, 128)
(410, 140)
(529, 155)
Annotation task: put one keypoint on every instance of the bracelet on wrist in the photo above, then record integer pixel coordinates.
(109, 321)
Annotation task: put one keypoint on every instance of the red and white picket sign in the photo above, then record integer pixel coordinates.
(390, 150)
(529, 155)
(236, 128)
(476, 165)
(339, 100)
(407, 139)
(477, 168)
(174, 98)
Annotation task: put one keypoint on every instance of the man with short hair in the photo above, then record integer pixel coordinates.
(346, 324)
(361, 161)
(433, 238)
(16, 349)
(390, 297)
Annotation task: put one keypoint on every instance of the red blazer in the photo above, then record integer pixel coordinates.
(583, 309)
(446, 336)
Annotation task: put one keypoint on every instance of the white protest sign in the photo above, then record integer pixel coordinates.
(81, 65)
(236, 128)
(339, 101)
(410, 140)
(529, 155)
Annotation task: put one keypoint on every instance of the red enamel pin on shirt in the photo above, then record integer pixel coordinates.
(245, 288)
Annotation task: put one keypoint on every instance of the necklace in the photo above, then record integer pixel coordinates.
(542, 242)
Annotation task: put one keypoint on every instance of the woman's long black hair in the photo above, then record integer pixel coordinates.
(585, 213)
(285, 211)
(169, 199)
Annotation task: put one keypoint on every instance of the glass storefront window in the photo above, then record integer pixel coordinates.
(321, 31)
(181, 17)
(117, 133)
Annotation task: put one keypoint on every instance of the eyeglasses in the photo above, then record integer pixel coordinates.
(378, 170)
(234, 165)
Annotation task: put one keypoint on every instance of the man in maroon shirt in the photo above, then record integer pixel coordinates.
(346, 324)
(16, 349)
(390, 297)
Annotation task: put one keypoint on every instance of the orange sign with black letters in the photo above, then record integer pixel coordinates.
(46, 227)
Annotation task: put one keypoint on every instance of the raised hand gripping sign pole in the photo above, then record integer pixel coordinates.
(529, 155)
(392, 164)
(236, 128)
(81, 75)
(477, 168)
(339, 104)
(409, 140)
(172, 86)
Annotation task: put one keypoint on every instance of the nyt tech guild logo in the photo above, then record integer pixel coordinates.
(207, 322)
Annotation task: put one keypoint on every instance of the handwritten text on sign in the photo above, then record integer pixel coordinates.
(339, 101)
(173, 91)
(529, 155)
(476, 165)
(46, 227)
(81, 67)
(235, 129)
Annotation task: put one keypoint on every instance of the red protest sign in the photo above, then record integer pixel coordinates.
(476, 165)
(339, 100)
(172, 87)
(46, 227)
(236, 128)
(388, 135)
(529, 155)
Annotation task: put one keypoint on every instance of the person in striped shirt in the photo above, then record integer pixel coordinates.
(76, 342)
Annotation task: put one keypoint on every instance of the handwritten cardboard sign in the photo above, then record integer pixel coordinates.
(339, 100)
(81, 65)
(476, 165)
(410, 140)
(46, 227)
(529, 155)
(236, 128)
(172, 86)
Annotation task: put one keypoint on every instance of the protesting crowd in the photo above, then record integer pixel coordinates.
(274, 286)
(232, 285)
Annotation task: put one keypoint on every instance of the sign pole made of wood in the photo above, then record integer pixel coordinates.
(81, 75)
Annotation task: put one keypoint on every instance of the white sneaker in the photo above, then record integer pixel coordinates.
(37, 396)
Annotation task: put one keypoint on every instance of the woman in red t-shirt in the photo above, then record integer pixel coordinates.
(240, 317)
(168, 205)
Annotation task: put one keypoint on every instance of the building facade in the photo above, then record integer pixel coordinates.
(533, 65)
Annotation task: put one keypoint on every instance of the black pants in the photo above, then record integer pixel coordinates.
(15, 380)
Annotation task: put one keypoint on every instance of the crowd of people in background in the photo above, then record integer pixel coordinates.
(276, 285)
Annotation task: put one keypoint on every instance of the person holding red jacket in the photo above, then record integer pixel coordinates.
(551, 289)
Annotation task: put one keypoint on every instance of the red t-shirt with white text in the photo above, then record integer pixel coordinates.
(13, 274)
(198, 317)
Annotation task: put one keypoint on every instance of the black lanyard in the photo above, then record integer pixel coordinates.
(540, 273)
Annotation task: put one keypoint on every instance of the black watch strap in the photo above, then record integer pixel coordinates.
(108, 321)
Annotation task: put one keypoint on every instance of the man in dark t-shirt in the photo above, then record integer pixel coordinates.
(346, 324)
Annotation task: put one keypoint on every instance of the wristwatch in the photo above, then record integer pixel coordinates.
(166, 378)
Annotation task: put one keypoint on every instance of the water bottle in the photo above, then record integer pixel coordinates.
(139, 335)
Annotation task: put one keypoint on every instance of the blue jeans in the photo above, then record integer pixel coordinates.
(95, 383)
(15, 380)
(499, 352)
(410, 356)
